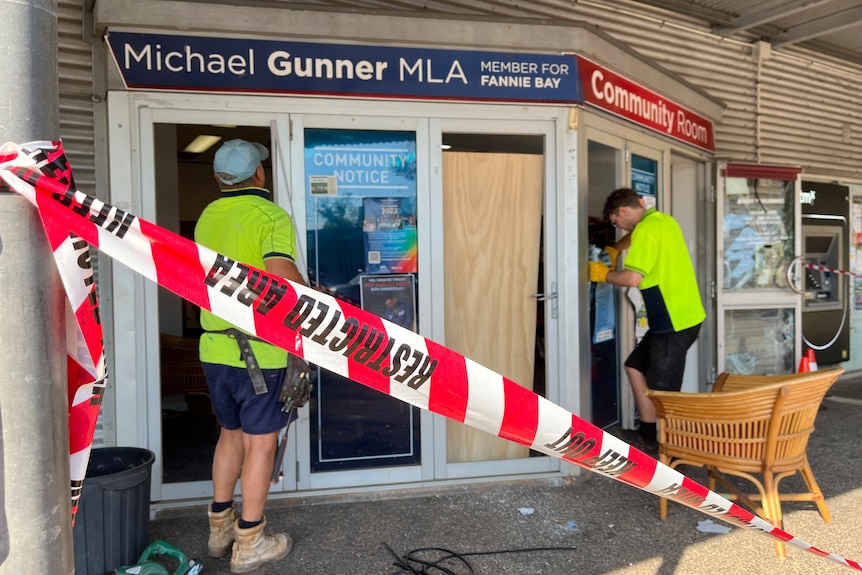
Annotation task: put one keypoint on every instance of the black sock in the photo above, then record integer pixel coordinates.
(648, 431)
(219, 506)
(243, 524)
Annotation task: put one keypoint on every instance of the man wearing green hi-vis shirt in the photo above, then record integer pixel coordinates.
(657, 263)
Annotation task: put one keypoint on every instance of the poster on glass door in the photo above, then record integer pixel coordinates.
(360, 197)
(389, 227)
(645, 179)
(360, 206)
(391, 297)
(645, 183)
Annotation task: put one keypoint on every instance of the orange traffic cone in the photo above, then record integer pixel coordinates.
(804, 364)
(812, 361)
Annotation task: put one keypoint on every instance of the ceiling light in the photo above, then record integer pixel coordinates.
(202, 144)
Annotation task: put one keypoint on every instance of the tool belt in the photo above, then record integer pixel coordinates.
(296, 387)
(243, 340)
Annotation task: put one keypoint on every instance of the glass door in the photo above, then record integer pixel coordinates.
(606, 161)
(177, 150)
(353, 192)
(362, 248)
(367, 195)
(184, 186)
(359, 181)
(759, 314)
(616, 157)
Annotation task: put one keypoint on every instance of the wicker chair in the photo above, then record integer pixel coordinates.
(748, 426)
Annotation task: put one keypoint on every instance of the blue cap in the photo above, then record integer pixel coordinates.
(237, 160)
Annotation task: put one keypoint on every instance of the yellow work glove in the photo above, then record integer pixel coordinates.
(613, 253)
(598, 272)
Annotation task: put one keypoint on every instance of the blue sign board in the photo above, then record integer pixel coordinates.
(362, 162)
(200, 63)
(644, 176)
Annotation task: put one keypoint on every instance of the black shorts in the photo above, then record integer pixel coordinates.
(661, 357)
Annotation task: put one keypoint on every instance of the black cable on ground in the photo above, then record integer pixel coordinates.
(413, 565)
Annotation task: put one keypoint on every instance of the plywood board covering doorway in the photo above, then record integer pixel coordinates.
(492, 214)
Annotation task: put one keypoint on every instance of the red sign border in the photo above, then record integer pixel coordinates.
(586, 68)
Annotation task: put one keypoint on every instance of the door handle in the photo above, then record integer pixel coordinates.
(544, 297)
(549, 296)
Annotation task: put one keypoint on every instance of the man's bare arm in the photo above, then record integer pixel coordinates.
(284, 268)
(624, 242)
(626, 278)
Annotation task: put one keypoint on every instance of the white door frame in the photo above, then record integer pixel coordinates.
(631, 140)
(133, 300)
(688, 187)
(754, 299)
(307, 480)
(548, 129)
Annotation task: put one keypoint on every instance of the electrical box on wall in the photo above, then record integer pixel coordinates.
(825, 210)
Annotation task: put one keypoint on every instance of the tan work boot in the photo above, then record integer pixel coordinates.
(221, 532)
(257, 545)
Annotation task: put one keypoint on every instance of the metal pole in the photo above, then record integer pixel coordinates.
(35, 516)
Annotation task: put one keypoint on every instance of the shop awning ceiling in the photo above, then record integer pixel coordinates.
(832, 27)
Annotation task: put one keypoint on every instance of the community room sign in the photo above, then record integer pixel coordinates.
(201, 63)
(622, 97)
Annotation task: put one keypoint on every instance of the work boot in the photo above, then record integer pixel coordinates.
(221, 531)
(257, 545)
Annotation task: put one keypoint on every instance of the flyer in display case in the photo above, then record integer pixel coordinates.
(391, 297)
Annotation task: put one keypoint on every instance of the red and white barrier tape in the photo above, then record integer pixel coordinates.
(330, 333)
(831, 270)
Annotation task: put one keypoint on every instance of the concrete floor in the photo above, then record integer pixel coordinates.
(587, 525)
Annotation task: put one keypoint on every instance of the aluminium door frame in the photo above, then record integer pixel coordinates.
(132, 333)
(751, 299)
(550, 129)
(627, 140)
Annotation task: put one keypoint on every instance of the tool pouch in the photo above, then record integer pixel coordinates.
(296, 388)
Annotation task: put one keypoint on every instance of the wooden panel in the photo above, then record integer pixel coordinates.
(492, 209)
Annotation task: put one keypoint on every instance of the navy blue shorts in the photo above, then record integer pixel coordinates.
(661, 357)
(235, 404)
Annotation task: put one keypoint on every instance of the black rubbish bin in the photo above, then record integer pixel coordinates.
(112, 525)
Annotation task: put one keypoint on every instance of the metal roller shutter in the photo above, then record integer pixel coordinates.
(75, 69)
(75, 61)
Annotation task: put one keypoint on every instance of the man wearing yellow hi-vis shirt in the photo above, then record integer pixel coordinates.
(659, 265)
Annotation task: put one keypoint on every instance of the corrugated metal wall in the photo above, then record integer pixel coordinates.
(724, 69)
(811, 115)
(792, 107)
(75, 65)
(76, 89)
